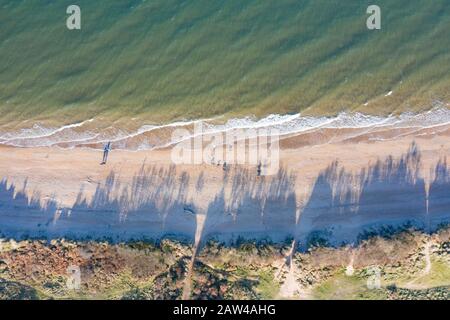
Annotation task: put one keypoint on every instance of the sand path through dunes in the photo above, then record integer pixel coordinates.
(290, 287)
(198, 236)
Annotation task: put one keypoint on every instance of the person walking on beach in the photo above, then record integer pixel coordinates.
(258, 169)
(106, 151)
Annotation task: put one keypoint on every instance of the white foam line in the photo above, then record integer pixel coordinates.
(74, 125)
(50, 144)
(187, 123)
(286, 124)
(380, 124)
(142, 131)
(193, 136)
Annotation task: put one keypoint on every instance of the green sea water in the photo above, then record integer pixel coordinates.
(165, 60)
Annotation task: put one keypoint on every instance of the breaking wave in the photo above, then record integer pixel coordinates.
(91, 134)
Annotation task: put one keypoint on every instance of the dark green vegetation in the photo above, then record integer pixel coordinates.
(10, 290)
(170, 59)
(411, 265)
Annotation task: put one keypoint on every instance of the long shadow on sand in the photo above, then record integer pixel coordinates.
(387, 194)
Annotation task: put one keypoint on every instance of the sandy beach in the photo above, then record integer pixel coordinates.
(341, 186)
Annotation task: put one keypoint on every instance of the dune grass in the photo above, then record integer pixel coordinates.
(342, 287)
(439, 275)
(162, 60)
